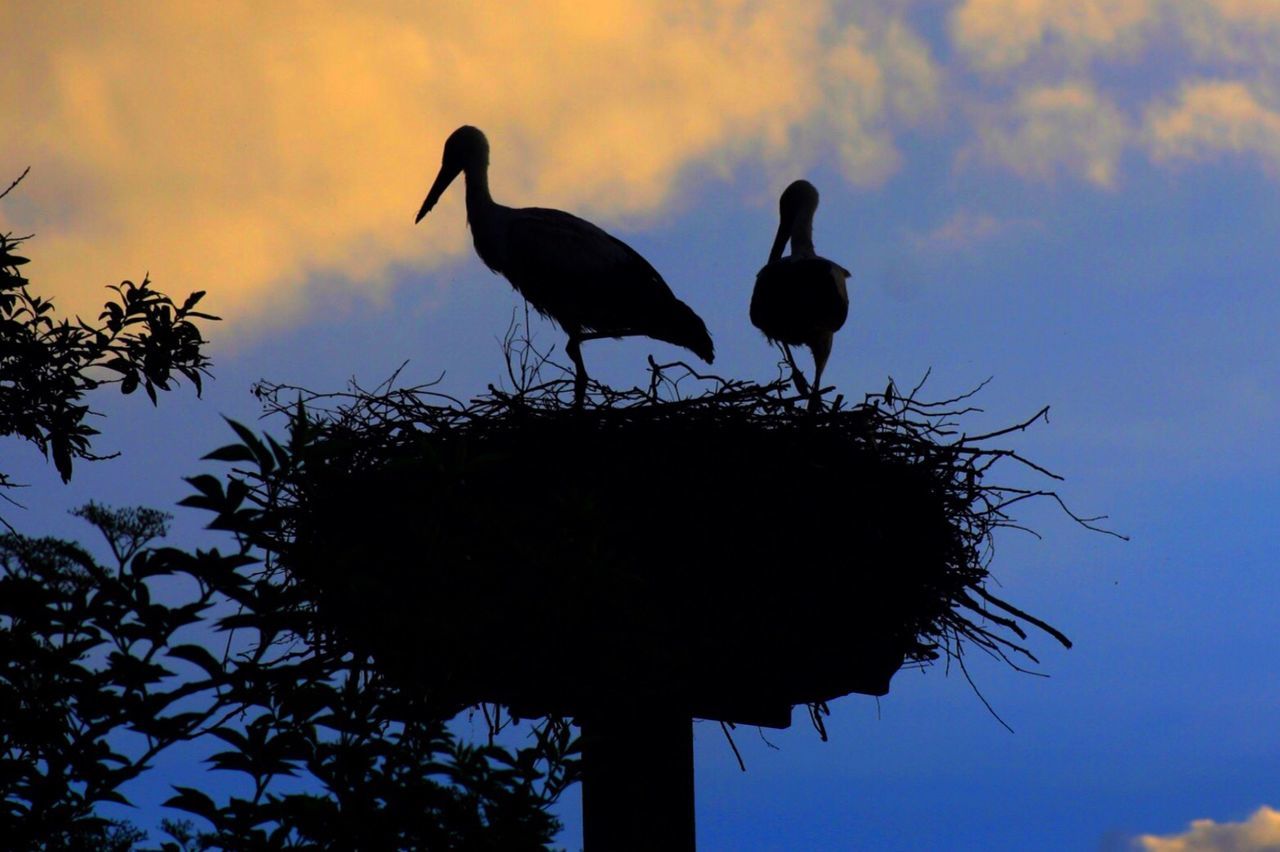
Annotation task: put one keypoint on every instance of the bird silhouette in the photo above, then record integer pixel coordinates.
(591, 283)
(801, 299)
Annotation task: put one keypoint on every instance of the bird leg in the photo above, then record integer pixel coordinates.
(574, 348)
(821, 348)
(802, 386)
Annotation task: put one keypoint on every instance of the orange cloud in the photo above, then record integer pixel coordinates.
(254, 150)
(997, 35)
(1214, 117)
(1057, 129)
(250, 149)
(1242, 32)
(1260, 832)
(967, 229)
(1000, 34)
(876, 79)
(1053, 126)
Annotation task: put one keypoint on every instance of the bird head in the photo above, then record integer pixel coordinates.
(467, 150)
(796, 206)
(800, 195)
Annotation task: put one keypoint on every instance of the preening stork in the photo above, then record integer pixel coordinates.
(801, 299)
(592, 284)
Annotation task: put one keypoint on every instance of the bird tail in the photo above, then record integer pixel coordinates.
(685, 328)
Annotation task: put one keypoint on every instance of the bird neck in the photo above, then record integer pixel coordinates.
(479, 201)
(802, 237)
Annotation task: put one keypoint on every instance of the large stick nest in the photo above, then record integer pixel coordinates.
(706, 542)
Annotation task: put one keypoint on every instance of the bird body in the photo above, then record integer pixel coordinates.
(571, 271)
(801, 299)
(588, 281)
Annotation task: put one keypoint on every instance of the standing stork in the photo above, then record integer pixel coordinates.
(801, 299)
(591, 283)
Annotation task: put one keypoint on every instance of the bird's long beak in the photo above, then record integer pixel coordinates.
(780, 241)
(443, 180)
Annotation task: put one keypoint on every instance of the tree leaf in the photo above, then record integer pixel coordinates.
(193, 801)
(199, 656)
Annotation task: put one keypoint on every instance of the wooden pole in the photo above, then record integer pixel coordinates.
(637, 784)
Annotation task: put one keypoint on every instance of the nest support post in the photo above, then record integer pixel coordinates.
(637, 782)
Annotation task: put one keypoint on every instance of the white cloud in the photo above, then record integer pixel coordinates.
(1259, 833)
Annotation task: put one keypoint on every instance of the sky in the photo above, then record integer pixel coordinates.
(1077, 198)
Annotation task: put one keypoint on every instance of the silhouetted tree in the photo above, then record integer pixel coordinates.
(142, 339)
(100, 673)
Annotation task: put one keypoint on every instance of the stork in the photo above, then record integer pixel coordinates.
(591, 283)
(801, 299)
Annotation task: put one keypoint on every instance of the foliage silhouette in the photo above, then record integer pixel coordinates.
(47, 365)
(92, 653)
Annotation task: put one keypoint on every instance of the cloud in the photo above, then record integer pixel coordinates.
(1211, 118)
(264, 151)
(1082, 81)
(1050, 130)
(1240, 32)
(251, 149)
(877, 77)
(967, 229)
(997, 35)
(1259, 832)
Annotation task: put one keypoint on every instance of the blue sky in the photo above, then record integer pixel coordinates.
(1079, 199)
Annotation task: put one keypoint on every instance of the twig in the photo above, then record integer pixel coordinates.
(724, 726)
(1025, 616)
(16, 181)
(1044, 412)
(981, 697)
